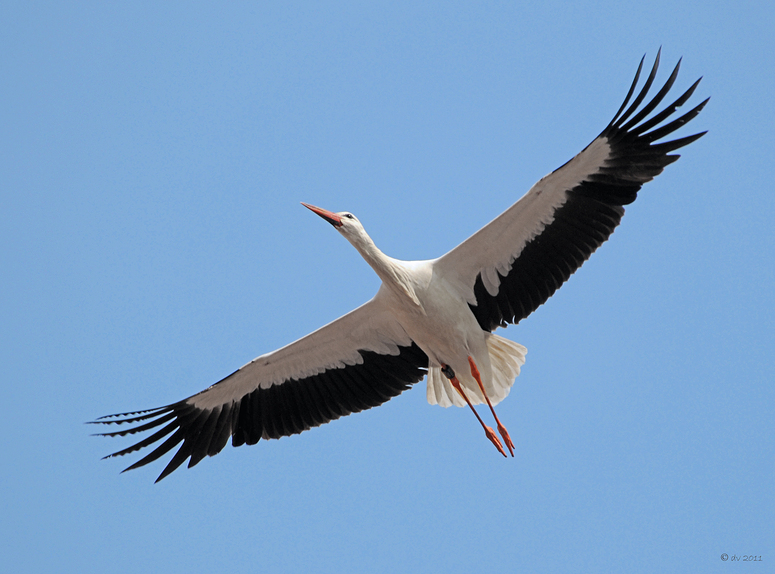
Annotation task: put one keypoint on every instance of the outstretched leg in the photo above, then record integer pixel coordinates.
(450, 374)
(501, 429)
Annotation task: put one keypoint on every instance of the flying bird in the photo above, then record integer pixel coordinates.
(431, 318)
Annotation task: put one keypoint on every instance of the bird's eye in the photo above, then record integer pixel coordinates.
(348, 215)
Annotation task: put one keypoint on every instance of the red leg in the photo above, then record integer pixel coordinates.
(501, 429)
(487, 430)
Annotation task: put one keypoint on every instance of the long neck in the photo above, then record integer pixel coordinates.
(390, 270)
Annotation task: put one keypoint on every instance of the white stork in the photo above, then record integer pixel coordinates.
(431, 317)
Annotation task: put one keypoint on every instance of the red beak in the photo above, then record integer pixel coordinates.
(329, 216)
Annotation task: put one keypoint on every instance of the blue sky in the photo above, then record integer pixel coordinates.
(152, 162)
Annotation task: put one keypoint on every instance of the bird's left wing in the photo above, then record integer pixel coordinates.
(354, 363)
(515, 263)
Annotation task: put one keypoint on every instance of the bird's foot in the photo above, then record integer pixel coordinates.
(506, 438)
(494, 439)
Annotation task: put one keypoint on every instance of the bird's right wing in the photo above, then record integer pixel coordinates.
(354, 363)
(515, 263)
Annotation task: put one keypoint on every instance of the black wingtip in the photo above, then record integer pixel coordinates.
(630, 92)
(104, 420)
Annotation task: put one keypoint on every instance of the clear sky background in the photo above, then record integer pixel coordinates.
(152, 161)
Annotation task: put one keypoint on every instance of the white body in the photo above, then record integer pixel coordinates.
(416, 302)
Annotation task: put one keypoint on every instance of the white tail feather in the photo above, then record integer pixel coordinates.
(506, 359)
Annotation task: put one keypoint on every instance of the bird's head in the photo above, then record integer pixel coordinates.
(344, 221)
